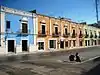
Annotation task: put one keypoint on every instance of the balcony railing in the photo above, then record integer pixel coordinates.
(66, 35)
(86, 35)
(80, 35)
(42, 34)
(56, 34)
(91, 36)
(24, 33)
(95, 36)
(74, 35)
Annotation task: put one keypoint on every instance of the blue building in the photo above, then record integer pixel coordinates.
(18, 33)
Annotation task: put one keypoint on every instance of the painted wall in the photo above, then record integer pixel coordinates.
(15, 25)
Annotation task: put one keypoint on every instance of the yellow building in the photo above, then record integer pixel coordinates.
(58, 33)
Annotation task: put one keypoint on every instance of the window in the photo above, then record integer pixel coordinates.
(61, 44)
(66, 44)
(43, 29)
(80, 32)
(91, 35)
(99, 42)
(91, 42)
(99, 33)
(7, 24)
(95, 42)
(95, 34)
(66, 31)
(85, 42)
(24, 28)
(88, 42)
(41, 46)
(73, 32)
(74, 43)
(90, 32)
(56, 30)
(69, 43)
(80, 43)
(52, 43)
(85, 31)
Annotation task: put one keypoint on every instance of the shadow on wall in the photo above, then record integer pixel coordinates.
(95, 70)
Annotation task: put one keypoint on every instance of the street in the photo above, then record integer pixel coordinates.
(52, 64)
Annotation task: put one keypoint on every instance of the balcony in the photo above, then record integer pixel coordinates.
(66, 35)
(86, 35)
(95, 36)
(91, 36)
(80, 35)
(42, 34)
(56, 34)
(23, 32)
(74, 35)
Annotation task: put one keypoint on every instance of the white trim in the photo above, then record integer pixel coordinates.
(73, 26)
(43, 21)
(15, 11)
(56, 23)
(25, 23)
(2, 24)
(36, 25)
(50, 28)
(35, 28)
(66, 25)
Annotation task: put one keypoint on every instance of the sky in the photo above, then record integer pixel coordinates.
(77, 10)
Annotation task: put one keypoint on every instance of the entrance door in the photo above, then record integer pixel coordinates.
(61, 44)
(10, 45)
(40, 45)
(24, 45)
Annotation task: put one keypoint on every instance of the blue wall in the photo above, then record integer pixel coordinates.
(15, 26)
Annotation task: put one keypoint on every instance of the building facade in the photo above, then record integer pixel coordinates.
(58, 33)
(91, 35)
(32, 32)
(17, 31)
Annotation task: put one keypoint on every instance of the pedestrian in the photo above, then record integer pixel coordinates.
(71, 57)
(77, 58)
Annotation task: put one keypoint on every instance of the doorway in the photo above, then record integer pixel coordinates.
(24, 45)
(40, 45)
(10, 45)
(61, 44)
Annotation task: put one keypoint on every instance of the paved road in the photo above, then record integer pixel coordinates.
(49, 64)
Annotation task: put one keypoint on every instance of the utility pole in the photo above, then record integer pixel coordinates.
(96, 5)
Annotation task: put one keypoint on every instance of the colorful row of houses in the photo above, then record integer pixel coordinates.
(23, 31)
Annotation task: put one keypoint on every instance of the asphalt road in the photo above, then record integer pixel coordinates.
(51, 63)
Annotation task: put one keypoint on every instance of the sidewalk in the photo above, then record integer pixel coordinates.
(64, 51)
(85, 54)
